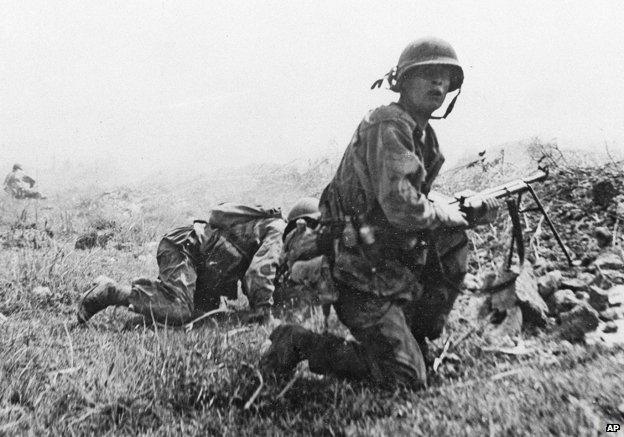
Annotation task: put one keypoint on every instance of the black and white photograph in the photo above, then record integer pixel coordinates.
(311, 218)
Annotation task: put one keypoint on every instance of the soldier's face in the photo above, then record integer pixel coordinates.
(425, 87)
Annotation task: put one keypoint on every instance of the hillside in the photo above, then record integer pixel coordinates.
(540, 354)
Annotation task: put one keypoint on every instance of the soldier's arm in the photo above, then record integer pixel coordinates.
(30, 181)
(398, 173)
(260, 275)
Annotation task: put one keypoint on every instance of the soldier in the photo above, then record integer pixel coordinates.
(200, 263)
(398, 259)
(19, 185)
(300, 285)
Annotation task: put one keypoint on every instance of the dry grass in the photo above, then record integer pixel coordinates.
(117, 376)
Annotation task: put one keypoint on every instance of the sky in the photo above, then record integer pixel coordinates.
(201, 84)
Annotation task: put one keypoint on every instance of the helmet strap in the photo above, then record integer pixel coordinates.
(390, 77)
(449, 108)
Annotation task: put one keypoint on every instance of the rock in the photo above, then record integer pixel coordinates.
(576, 322)
(582, 295)
(610, 327)
(598, 298)
(477, 308)
(605, 278)
(542, 266)
(510, 327)
(574, 284)
(42, 291)
(609, 260)
(533, 307)
(521, 292)
(494, 281)
(616, 295)
(604, 237)
(562, 301)
(585, 277)
(549, 283)
(609, 315)
(603, 193)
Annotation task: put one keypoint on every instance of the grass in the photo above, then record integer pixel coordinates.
(117, 376)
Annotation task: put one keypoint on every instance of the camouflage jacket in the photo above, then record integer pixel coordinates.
(17, 181)
(386, 173)
(248, 251)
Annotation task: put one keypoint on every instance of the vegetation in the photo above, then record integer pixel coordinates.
(118, 376)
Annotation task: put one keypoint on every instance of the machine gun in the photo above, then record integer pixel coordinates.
(471, 203)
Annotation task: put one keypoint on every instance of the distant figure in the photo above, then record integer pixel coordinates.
(19, 185)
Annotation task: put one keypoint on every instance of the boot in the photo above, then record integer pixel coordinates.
(260, 315)
(288, 344)
(103, 293)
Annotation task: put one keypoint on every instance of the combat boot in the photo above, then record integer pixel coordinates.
(260, 315)
(104, 292)
(288, 348)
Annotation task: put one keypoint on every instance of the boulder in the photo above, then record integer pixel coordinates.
(574, 284)
(603, 193)
(616, 295)
(576, 322)
(549, 283)
(609, 261)
(495, 281)
(610, 327)
(598, 298)
(510, 327)
(609, 315)
(605, 278)
(562, 301)
(603, 236)
(533, 307)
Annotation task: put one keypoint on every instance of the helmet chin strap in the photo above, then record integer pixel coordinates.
(449, 108)
(391, 78)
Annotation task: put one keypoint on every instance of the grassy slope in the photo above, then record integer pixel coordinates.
(116, 376)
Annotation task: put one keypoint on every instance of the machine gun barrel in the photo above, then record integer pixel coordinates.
(467, 200)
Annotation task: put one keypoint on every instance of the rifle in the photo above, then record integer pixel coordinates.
(469, 203)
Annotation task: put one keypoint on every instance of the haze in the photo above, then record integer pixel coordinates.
(191, 85)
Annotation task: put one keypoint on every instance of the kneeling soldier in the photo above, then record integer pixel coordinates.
(398, 259)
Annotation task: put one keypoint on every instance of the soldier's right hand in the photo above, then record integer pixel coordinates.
(450, 215)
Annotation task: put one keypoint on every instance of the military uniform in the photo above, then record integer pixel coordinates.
(397, 288)
(19, 185)
(199, 263)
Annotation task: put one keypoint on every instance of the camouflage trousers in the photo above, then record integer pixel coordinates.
(390, 308)
(179, 294)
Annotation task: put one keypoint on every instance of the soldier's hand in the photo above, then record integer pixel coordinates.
(450, 215)
(482, 211)
(302, 246)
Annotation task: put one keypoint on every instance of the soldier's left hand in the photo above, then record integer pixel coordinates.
(485, 210)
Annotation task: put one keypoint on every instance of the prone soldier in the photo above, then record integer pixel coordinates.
(200, 263)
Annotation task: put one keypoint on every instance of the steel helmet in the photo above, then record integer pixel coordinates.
(429, 51)
(425, 51)
(305, 207)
